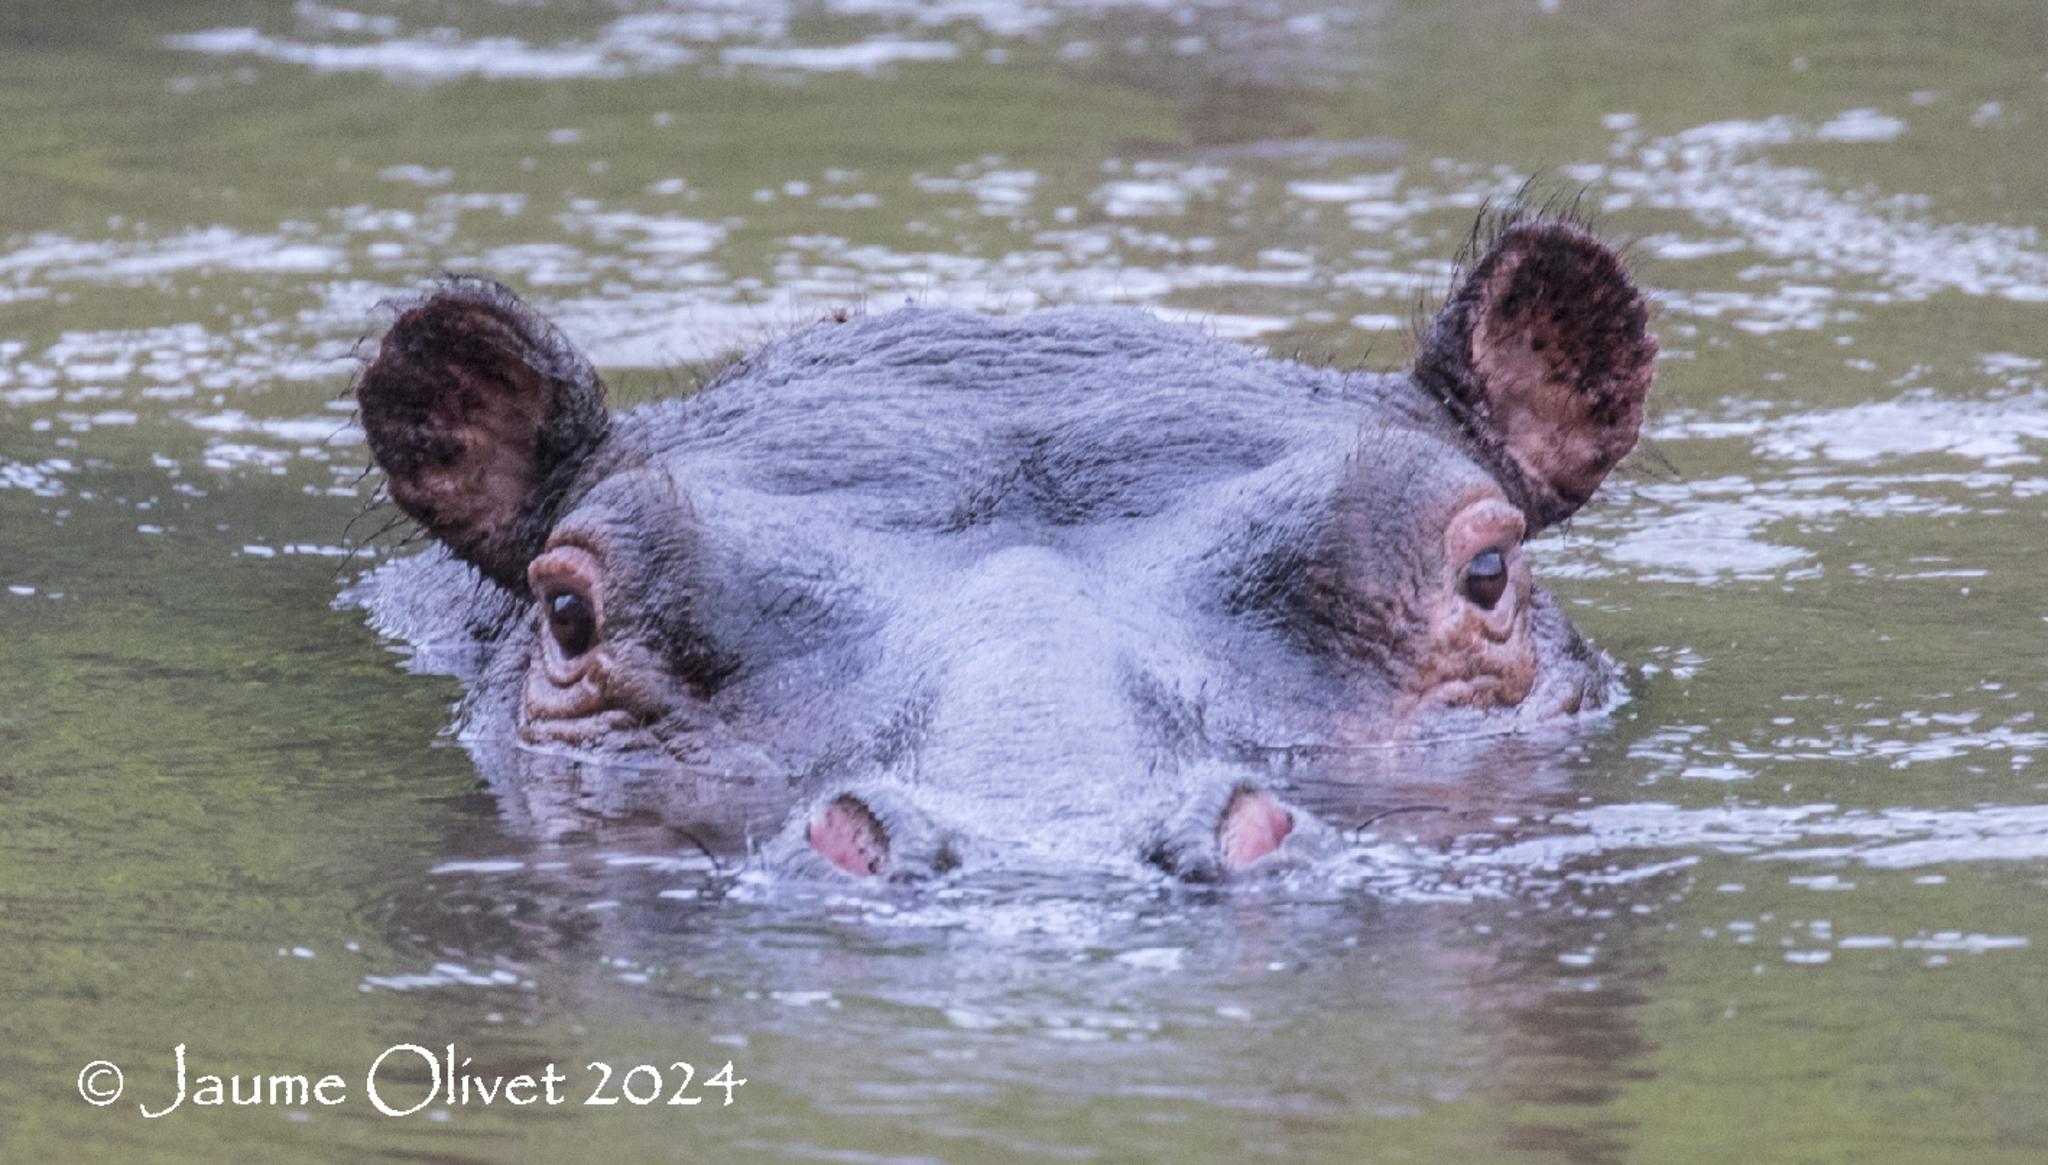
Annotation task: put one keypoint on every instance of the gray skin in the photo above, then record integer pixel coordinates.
(925, 590)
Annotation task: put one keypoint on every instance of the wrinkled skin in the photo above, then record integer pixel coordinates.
(927, 590)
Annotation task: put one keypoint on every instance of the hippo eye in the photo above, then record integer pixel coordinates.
(571, 622)
(1486, 578)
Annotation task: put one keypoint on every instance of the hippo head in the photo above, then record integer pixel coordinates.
(929, 588)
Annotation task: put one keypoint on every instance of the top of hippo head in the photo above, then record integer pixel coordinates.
(932, 588)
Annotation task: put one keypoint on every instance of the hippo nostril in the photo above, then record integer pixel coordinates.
(850, 836)
(1253, 826)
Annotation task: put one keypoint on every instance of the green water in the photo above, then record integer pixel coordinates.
(1790, 905)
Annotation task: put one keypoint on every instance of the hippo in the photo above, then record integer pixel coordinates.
(925, 590)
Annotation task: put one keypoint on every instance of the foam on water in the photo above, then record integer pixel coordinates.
(753, 36)
(866, 57)
(1891, 839)
(444, 55)
(1722, 174)
(59, 258)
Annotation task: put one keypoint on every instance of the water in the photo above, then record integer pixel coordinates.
(1786, 907)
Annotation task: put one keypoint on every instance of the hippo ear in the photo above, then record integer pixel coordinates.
(1544, 355)
(480, 414)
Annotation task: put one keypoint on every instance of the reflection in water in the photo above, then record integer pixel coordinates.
(1160, 999)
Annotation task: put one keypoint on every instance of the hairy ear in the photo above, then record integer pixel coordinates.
(480, 413)
(1544, 356)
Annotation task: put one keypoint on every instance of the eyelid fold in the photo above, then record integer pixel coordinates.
(1490, 523)
(565, 567)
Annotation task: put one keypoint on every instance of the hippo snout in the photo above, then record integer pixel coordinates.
(881, 831)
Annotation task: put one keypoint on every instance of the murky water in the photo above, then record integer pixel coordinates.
(1790, 905)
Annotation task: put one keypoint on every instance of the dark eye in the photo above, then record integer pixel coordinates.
(571, 622)
(1486, 578)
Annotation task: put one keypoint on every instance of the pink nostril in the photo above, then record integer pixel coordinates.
(1253, 826)
(847, 834)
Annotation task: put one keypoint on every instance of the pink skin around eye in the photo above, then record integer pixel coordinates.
(1473, 656)
(568, 568)
(1488, 524)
